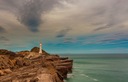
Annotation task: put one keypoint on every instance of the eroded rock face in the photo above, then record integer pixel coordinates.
(33, 73)
(5, 62)
(48, 68)
(62, 64)
(6, 52)
(44, 77)
(10, 54)
(5, 72)
(20, 62)
(23, 53)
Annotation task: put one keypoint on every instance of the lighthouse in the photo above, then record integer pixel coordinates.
(40, 51)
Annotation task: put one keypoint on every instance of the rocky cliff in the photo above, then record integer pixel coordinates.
(29, 66)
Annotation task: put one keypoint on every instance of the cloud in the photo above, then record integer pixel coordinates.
(63, 33)
(75, 13)
(106, 14)
(69, 40)
(2, 38)
(102, 28)
(2, 30)
(49, 19)
(5, 42)
(104, 39)
(31, 11)
(28, 12)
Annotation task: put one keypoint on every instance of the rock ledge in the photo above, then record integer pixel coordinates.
(29, 66)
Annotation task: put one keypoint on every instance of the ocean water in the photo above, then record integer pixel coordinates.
(99, 68)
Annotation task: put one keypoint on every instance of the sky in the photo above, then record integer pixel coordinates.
(65, 26)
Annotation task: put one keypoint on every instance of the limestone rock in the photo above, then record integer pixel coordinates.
(10, 54)
(7, 71)
(20, 62)
(1, 73)
(5, 62)
(30, 66)
(23, 53)
(45, 78)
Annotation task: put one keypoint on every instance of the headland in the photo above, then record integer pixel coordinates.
(30, 66)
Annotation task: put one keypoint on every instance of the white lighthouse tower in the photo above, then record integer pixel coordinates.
(40, 51)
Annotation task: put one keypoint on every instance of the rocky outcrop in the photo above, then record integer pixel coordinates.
(36, 49)
(5, 62)
(33, 73)
(62, 64)
(6, 52)
(32, 53)
(5, 72)
(23, 53)
(10, 54)
(29, 66)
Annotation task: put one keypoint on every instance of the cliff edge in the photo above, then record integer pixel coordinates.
(29, 66)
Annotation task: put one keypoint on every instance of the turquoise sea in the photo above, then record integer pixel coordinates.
(99, 68)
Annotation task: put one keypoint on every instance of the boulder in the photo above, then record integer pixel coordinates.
(20, 62)
(1, 73)
(7, 71)
(5, 62)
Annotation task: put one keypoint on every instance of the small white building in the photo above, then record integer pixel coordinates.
(40, 50)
